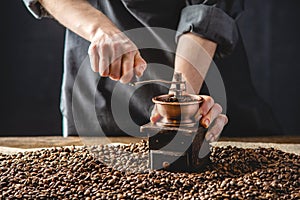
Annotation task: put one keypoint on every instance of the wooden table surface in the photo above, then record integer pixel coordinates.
(52, 141)
(12, 145)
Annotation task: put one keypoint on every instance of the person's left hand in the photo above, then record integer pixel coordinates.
(209, 115)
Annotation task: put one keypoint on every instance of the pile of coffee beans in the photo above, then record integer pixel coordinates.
(106, 172)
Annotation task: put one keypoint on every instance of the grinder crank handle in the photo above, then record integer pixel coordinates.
(177, 76)
(177, 82)
(134, 83)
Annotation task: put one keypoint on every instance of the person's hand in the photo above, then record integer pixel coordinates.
(209, 115)
(114, 55)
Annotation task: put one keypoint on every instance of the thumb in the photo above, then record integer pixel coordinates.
(155, 116)
(140, 65)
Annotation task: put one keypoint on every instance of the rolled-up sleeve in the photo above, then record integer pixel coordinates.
(214, 20)
(36, 9)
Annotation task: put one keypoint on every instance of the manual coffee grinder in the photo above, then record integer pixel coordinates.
(176, 142)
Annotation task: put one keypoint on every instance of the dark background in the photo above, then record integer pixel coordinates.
(32, 60)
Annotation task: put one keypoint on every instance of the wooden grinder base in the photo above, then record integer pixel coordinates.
(177, 149)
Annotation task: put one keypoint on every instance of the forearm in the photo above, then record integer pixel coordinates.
(193, 58)
(79, 16)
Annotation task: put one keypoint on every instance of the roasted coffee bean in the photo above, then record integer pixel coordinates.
(121, 172)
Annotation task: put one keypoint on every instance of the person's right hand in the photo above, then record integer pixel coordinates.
(114, 55)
